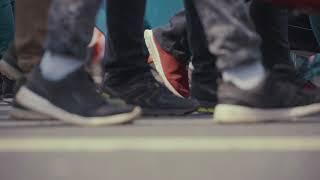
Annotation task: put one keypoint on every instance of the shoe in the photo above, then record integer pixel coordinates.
(204, 89)
(275, 99)
(173, 72)
(7, 88)
(144, 91)
(73, 100)
(9, 67)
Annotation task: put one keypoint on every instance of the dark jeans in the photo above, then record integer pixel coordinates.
(6, 24)
(271, 24)
(71, 23)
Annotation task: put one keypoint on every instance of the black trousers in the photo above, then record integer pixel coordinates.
(71, 23)
(271, 23)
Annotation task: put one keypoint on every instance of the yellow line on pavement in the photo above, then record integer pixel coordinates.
(159, 144)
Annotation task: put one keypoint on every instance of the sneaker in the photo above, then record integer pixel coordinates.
(9, 67)
(7, 88)
(276, 99)
(173, 72)
(144, 91)
(72, 100)
(204, 89)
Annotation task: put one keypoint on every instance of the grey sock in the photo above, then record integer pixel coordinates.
(55, 67)
(245, 77)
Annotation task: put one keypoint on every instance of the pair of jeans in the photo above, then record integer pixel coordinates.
(7, 11)
(271, 23)
(70, 29)
(227, 28)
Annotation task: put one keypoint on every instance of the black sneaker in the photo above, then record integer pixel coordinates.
(73, 100)
(143, 90)
(276, 99)
(7, 88)
(204, 89)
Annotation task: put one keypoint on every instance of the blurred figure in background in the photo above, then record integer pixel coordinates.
(7, 10)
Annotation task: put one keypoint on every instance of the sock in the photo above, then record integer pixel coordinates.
(245, 77)
(56, 67)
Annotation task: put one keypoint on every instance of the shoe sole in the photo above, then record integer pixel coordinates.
(27, 115)
(9, 71)
(225, 113)
(37, 103)
(153, 50)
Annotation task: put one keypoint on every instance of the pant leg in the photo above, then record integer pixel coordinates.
(272, 25)
(315, 23)
(6, 24)
(126, 54)
(70, 28)
(229, 31)
(202, 60)
(173, 37)
(31, 30)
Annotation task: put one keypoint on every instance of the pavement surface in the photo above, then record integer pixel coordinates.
(168, 148)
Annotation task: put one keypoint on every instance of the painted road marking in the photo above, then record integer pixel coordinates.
(159, 144)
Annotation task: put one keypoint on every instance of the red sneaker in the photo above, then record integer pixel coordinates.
(173, 73)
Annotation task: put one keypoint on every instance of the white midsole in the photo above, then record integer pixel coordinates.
(225, 113)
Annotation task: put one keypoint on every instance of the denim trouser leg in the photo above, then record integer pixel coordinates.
(71, 24)
(173, 37)
(126, 46)
(272, 25)
(6, 24)
(229, 31)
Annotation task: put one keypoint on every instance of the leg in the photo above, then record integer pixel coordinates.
(128, 74)
(125, 38)
(59, 87)
(205, 74)
(272, 25)
(30, 37)
(173, 37)
(229, 32)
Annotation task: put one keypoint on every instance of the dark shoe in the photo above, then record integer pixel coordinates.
(276, 99)
(73, 100)
(172, 71)
(204, 89)
(144, 91)
(7, 88)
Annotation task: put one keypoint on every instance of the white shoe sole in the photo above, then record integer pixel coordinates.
(152, 48)
(37, 103)
(9, 71)
(27, 115)
(225, 113)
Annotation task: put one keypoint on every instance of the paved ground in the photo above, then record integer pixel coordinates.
(186, 148)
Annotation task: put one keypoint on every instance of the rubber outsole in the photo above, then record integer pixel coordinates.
(225, 113)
